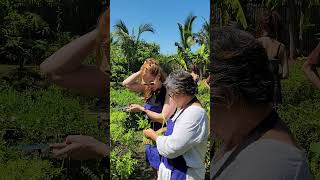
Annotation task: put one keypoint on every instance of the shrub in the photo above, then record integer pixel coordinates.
(43, 116)
(300, 111)
(35, 169)
(122, 165)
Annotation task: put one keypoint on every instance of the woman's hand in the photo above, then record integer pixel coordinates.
(151, 134)
(80, 147)
(135, 108)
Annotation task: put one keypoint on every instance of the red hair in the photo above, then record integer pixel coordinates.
(154, 69)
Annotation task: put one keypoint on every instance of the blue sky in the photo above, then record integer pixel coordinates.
(164, 16)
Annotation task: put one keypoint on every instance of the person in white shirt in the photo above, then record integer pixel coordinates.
(184, 144)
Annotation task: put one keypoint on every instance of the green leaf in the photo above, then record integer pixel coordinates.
(240, 16)
(315, 147)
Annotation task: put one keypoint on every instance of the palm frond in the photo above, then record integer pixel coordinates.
(121, 26)
(122, 36)
(236, 7)
(189, 21)
(145, 28)
(183, 41)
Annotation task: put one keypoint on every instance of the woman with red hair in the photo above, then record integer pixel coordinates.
(158, 106)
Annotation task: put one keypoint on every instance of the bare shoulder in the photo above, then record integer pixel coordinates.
(263, 38)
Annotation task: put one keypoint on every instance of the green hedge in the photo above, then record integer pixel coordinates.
(301, 111)
(44, 116)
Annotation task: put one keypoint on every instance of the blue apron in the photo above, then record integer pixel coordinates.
(178, 165)
(152, 154)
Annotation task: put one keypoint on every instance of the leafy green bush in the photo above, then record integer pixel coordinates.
(16, 31)
(315, 158)
(122, 98)
(35, 169)
(204, 96)
(119, 133)
(43, 116)
(121, 67)
(13, 165)
(300, 111)
(118, 63)
(122, 165)
(167, 63)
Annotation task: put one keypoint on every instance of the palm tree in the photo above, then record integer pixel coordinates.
(202, 54)
(187, 39)
(186, 35)
(229, 8)
(129, 42)
(203, 35)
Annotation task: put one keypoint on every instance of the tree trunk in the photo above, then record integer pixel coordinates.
(292, 30)
(21, 64)
(301, 31)
(301, 25)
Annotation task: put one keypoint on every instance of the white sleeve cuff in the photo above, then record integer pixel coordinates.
(160, 144)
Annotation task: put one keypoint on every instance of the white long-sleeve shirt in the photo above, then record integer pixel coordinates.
(189, 139)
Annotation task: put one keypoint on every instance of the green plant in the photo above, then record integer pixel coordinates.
(122, 165)
(229, 9)
(40, 116)
(120, 61)
(35, 169)
(89, 173)
(315, 157)
(204, 96)
(187, 40)
(129, 42)
(300, 112)
(23, 37)
(143, 123)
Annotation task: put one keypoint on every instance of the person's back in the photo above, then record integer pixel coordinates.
(269, 29)
(273, 47)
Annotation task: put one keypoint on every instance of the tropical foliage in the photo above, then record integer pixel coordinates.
(131, 43)
(127, 155)
(33, 112)
(129, 50)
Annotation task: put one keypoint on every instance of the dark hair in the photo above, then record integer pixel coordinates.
(239, 65)
(194, 68)
(181, 82)
(271, 23)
